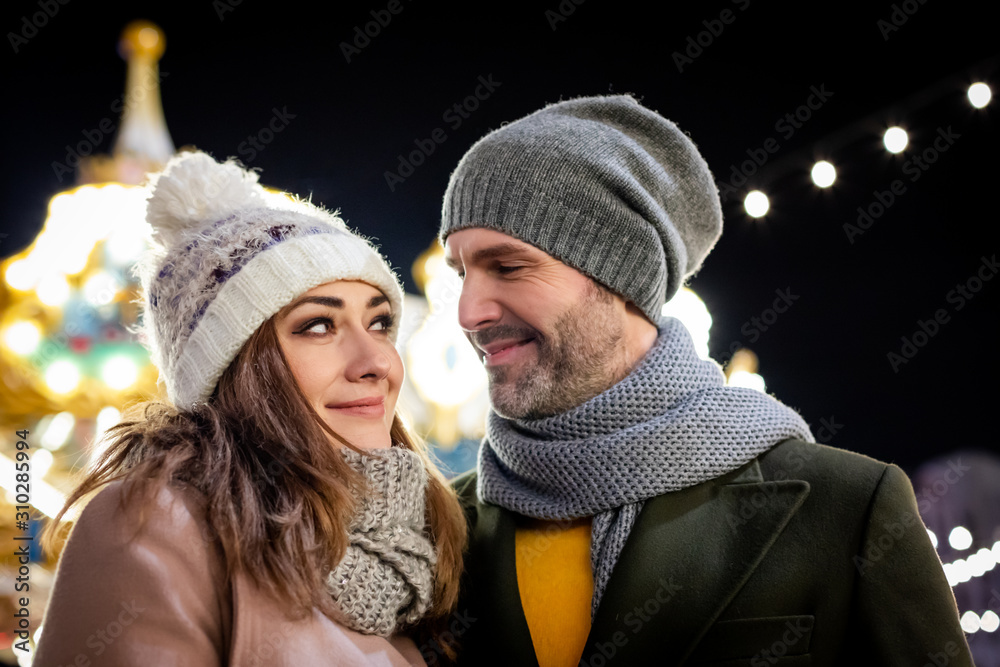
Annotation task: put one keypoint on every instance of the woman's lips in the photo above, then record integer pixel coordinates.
(363, 407)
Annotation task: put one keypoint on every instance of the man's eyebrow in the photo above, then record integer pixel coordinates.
(489, 252)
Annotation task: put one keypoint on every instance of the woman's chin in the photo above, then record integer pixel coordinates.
(374, 444)
(363, 440)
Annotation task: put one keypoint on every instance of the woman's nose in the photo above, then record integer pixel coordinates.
(368, 361)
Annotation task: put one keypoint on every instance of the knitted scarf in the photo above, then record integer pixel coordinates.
(385, 580)
(672, 423)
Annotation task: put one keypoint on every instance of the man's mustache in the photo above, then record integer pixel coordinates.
(484, 337)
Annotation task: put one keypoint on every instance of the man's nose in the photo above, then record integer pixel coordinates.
(368, 361)
(478, 306)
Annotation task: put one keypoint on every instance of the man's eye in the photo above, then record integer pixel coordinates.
(504, 270)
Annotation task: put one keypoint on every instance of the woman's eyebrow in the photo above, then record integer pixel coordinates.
(331, 301)
(334, 302)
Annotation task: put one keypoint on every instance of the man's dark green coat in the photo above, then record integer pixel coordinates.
(808, 555)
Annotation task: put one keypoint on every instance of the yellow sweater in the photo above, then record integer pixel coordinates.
(556, 587)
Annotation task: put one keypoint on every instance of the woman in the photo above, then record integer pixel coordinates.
(275, 511)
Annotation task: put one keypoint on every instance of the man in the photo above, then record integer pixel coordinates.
(628, 507)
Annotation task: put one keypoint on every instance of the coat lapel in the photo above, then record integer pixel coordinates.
(687, 556)
(491, 551)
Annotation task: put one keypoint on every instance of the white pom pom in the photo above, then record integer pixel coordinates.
(193, 190)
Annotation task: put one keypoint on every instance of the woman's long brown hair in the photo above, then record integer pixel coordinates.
(278, 493)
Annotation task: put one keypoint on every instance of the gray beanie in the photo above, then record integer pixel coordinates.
(603, 184)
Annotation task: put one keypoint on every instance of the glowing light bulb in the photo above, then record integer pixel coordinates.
(960, 538)
(824, 174)
(979, 95)
(970, 622)
(895, 139)
(756, 204)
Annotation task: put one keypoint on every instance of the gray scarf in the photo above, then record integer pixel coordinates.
(672, 423)
(385, 581)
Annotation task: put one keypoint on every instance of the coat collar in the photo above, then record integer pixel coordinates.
(686, 558)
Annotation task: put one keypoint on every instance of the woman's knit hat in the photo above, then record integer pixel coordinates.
(225, 256)
(603, 184)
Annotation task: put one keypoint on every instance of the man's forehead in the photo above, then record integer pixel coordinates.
(478, 244)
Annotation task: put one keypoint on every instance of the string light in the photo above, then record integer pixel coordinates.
(895, 139)
(756, 204)
(960, 538)
(970, 622)
(824, 174)
(976, 565)
(979, 95)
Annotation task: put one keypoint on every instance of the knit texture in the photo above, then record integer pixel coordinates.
(385, 582)
(672, 423)
(603, 184)
(225, 256)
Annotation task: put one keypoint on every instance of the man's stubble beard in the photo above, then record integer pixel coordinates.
(580, 358)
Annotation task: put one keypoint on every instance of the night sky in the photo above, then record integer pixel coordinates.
(350, 111)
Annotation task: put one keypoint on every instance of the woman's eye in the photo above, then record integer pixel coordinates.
(382, 323)
(317, 327)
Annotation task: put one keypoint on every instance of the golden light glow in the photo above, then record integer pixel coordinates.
(688, 307)
(22, 274)
(22, 337)
(144, 39)
(119, 372)
(53, 290)
(57, 430)
(442, 364)
(62, 376)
